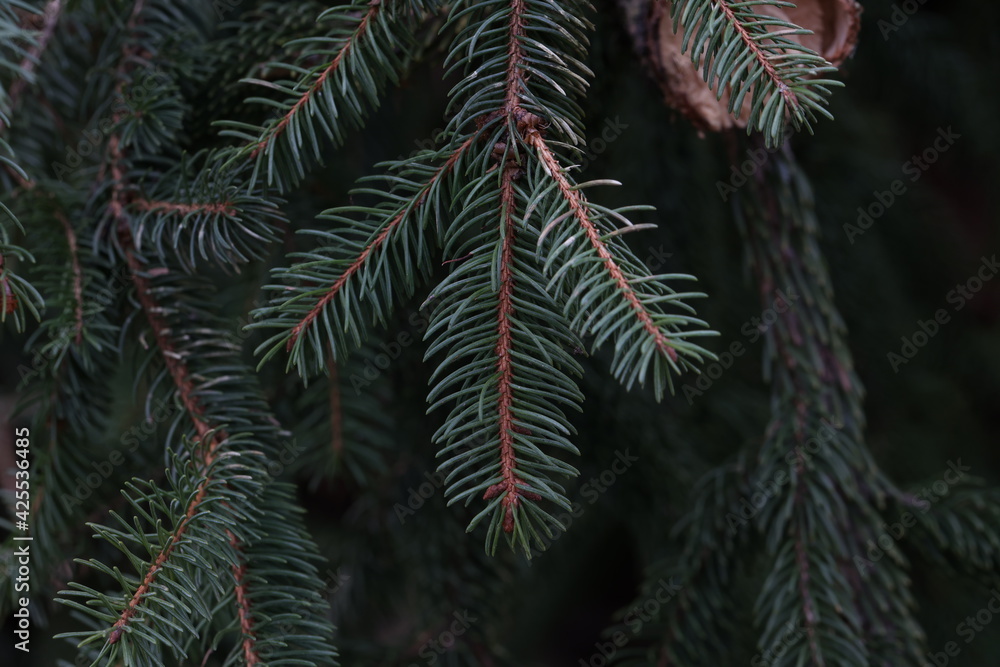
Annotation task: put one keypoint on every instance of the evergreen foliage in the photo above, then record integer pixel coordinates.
(177, 237)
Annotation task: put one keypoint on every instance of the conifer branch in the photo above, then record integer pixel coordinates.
(366, 45)
(578, 207)
(175, 364)
(375, 244)
(279, 128)
(51, 13)
(763, 61)
(816, 396)
(511, 485)
(207, 442)
(752, 53)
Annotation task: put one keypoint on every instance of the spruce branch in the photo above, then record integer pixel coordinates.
(207, 442)
(578, 208)
(504, 327)
(217, 479)
(366, 46)
(314, 88)
(510, 485)
(815, 389)
(32, 57)
(331, 283)
(753, 55)
(200, 212)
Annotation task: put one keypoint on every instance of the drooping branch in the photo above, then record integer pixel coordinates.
(510, 484)
(186, 392)
(207, 441)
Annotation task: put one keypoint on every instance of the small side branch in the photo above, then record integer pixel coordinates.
(578, 207)
(360, 260)
(282, 125)
(30, 63)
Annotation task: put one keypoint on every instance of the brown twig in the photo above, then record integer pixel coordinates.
(74, 254)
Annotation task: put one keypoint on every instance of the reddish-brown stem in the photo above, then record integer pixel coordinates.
(282, 125)
(374, 245)
(801, 554)
(511, 110)
(185, 389)
(504, 347)
(225, 208)
(579, 209)
(77, 276)
(175, 365)
(758, 53)
(250, 657)
(515, 57)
